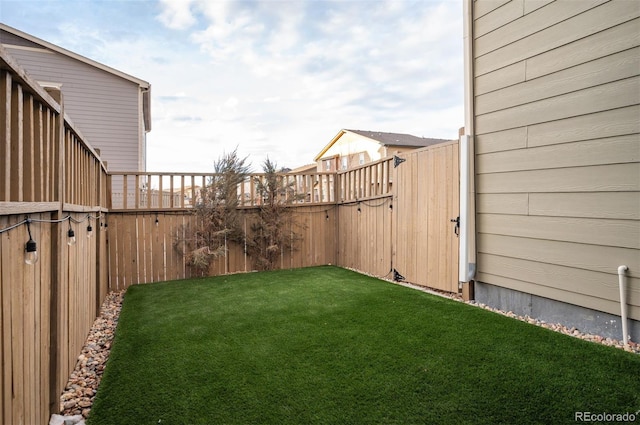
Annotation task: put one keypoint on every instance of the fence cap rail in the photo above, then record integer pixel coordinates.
(201, 174)
(9, 208)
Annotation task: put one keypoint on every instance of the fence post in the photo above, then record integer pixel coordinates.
(57, 260)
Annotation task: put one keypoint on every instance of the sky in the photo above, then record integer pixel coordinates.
(273, 79)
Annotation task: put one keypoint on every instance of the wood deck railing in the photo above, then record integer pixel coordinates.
(366, 181)
(175, 191)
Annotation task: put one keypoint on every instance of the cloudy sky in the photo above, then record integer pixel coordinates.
(273, 78)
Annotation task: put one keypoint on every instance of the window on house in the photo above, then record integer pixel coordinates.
(327, 165)
(344, 162)
(361, 158)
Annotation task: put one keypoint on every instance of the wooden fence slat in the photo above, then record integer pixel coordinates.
(5, 135)
(182, 191)
(17, 145)
(29, 148)
(148, 191)
(6, 366)
(17, 352)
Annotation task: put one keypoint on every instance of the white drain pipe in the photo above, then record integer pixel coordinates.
(623, 304)
(467, 243)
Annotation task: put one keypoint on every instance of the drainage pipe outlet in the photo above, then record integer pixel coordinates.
(623, 304)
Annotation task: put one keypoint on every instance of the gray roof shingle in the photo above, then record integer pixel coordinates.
(398, 139)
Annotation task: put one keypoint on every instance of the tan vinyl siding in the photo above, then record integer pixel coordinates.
(104, 107)
(557, 107)
(551, 32)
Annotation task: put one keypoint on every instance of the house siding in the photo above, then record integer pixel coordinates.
(350, 145)
(104, 107)
(556, 107)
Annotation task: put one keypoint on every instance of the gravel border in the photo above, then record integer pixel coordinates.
(83, 383)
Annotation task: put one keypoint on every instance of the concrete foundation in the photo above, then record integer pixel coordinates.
(552, 311)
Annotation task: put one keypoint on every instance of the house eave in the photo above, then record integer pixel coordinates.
(63, 51)
(328, 146)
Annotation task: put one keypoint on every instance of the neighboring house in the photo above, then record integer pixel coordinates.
(110, 108)
(553, 123)
(304, 169)
(351, 148)
(307, 185)
(190, 193)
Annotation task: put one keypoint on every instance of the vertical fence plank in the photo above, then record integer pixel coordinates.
(171, 192)
(39, 152)
(44, 308)
(182, 193)
(6, 366)
(29, 148)
(27, 323)
(17, 144)
(5, 135)
(136, 189)
(17, 352)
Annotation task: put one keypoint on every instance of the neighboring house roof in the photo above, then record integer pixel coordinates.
(385, 139)
(398, 139)
(144, 85)
(309, 168)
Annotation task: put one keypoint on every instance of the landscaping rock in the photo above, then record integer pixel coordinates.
(66, 420)
(77, 398)
(632, 347)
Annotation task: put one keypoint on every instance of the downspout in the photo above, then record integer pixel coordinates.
(623, 305)
(467, 248)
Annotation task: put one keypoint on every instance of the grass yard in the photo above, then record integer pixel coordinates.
(325, 345)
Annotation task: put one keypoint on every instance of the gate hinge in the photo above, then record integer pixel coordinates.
(397, 276)
(397, 161)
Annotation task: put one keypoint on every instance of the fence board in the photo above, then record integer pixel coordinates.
(5, 294)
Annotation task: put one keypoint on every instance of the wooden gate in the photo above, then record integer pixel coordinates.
(425, 200)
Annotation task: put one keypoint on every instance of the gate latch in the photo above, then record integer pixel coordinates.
(456, 229)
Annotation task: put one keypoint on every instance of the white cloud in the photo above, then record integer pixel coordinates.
(176, 14)
(306, 72)
(277, 78)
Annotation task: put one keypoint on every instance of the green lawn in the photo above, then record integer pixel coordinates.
(325, 345)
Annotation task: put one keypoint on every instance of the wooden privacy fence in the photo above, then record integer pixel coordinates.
(409, 230)
(393, 214)
(51, 181)
(147, 246)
